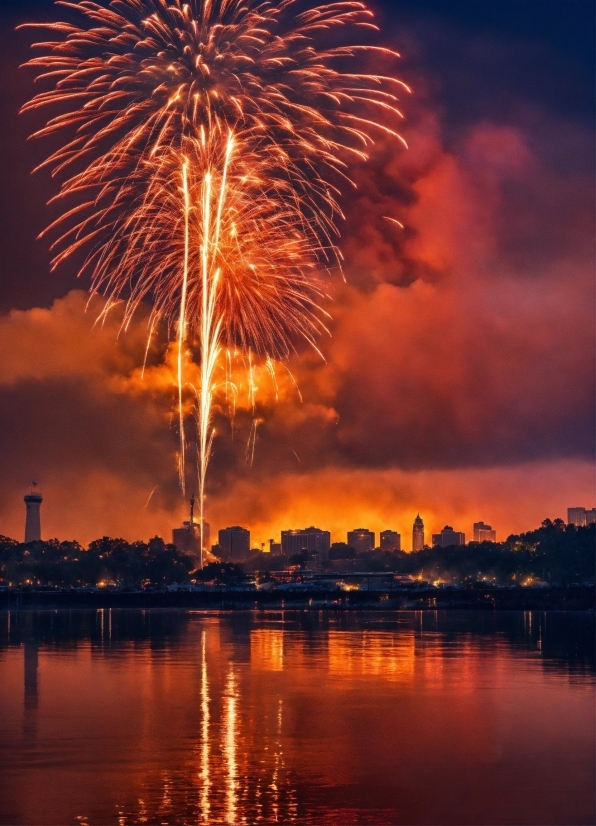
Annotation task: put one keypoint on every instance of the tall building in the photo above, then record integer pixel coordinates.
(418, 534)
(234, 543)
(361, 539)
(187, 539)
(576, 516)
(291, 542)
(580, 516)
(484, 533)
(317, 542)
(448, 537)
(33, 502)
(313, 540)
(390, 541)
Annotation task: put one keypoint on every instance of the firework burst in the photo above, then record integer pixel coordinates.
(206, 145)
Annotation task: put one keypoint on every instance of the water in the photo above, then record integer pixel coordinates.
(167, 717)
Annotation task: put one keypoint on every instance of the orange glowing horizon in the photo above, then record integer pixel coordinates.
(206, 146)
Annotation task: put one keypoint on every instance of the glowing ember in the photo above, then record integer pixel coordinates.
(206, 146)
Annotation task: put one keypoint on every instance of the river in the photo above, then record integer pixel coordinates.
(174, 717)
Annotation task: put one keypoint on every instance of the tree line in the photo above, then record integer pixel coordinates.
(553, 553)
(104, 562)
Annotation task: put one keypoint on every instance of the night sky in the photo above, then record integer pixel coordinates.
(459, 380)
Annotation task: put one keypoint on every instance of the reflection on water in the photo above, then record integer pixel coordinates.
(230, 747)
(204, 751)
(357, 654)
(31, 654)
(296, 717)
(267, 649)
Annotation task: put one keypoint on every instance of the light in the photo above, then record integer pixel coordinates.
(180, 180)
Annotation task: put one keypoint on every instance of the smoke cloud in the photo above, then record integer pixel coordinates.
(458, 380)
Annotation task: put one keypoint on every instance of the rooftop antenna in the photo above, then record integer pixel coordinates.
(192, 524)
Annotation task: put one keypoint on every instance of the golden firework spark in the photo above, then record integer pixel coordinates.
(206, 146)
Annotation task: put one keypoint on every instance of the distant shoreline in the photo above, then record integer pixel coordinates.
(559, 598)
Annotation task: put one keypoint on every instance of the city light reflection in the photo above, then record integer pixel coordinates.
(200, 720)
(229, 739)
(267, 649)
(204, 773)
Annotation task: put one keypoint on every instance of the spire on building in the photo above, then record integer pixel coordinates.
(418, 534)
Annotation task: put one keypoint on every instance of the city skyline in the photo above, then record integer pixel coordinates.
(235, 541)
(428, 396)
(297, 412)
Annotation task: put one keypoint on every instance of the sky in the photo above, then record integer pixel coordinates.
(458, 380)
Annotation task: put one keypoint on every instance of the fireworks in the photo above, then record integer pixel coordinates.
(206, 145)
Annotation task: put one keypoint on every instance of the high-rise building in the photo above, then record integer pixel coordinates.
(448, 537)
(33, 502)
(291, 542)
(580, 516)
(187, 539)
(317, 542)
(361, 539)
(576, 516)
(390, 541)
(484, 533)
(313, 540)
(418, 534)
(234, 543)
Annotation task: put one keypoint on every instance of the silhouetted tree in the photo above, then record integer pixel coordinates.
(222, 573)
(106, 561)
(340, 550)
(299, 559)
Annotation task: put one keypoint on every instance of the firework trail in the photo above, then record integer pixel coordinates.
(205, 147)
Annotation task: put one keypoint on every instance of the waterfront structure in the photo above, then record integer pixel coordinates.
(484, 533)
(313, 540)
(448, 537)
(361, 539)
(33, 502)
(418, 534)
(581, 516)
(390, 541)
(234, 543)
(187, 539)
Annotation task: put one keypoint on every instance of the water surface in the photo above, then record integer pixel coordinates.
(166, 717)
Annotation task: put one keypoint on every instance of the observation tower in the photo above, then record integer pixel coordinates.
(33, 502)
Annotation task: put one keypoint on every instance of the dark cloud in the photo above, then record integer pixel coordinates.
(77, 417)
(460, 374)
(482, 354)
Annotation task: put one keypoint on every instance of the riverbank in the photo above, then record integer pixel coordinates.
(570, 598)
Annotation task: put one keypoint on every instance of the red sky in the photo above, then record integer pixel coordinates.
(458, 381)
